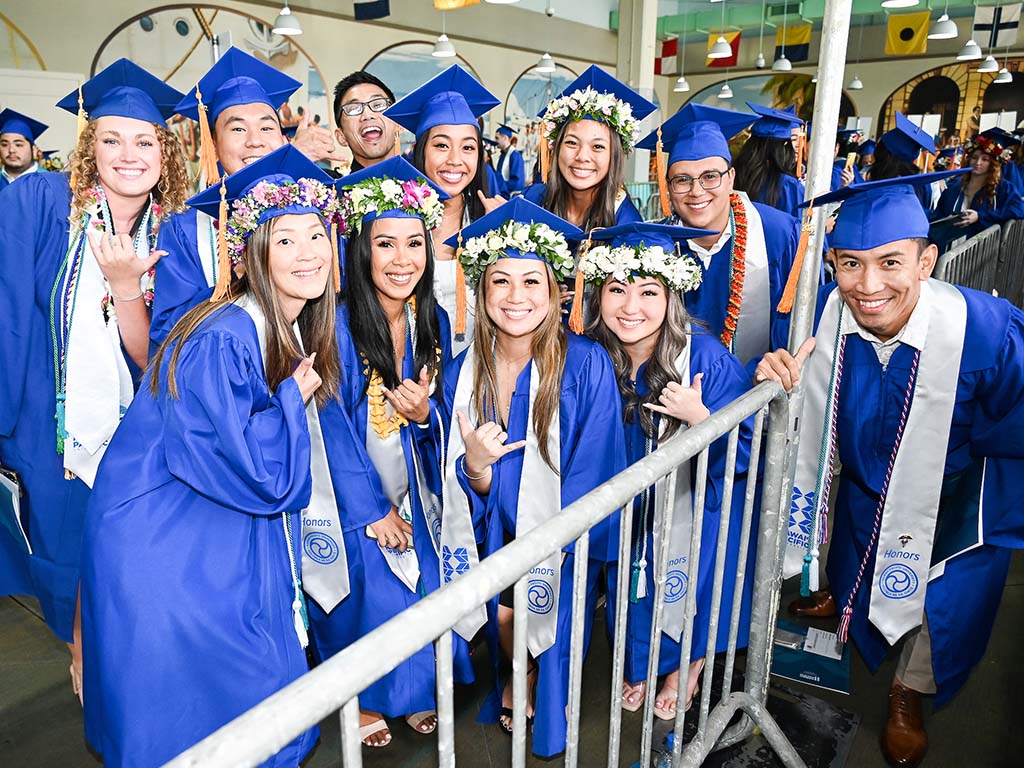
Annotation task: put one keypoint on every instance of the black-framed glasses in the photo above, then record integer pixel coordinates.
(707, 180)
(355, 108)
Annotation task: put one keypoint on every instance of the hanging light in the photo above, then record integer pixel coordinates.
(1004, 76)
(721, 49)
(681, 85)
(545, 65)
(989, 64)
(286, 22)
(501, 2)
(760, 62)
(814, 77)
(969, 52)
(782, 64)
(943, 29)
(726, 92)
(856, 84)
(899, 3)
(443, 48)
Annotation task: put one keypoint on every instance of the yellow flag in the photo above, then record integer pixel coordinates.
(451, 5)
(907, 34)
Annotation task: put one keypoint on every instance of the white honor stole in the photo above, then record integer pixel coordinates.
(206, 246)
(753, 327)
(911, 504)
(677, 578)
(540, 498)
(324, 563)
(99, 386)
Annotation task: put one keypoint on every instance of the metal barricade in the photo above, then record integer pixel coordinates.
(336, 684)
(1010, 271)
(974, 263)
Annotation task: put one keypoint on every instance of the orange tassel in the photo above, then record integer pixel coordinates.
(208, 173)
(576, 314)
(82, 121)
(223, 259)
(336, 270)
(460, 292)
(801, 153)
(662, 164)
(545, 155)
(789, 292)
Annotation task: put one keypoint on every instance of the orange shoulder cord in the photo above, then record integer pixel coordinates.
(789, 292)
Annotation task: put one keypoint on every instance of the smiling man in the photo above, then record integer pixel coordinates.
(746, 266)
(18, 134)
(902, 366)
(359, 103)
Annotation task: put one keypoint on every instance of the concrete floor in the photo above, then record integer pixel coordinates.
(41, 723)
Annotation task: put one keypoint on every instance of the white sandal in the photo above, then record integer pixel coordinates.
(366, 731)
(416, 720)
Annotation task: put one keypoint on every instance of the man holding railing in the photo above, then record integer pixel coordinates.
(921, 538)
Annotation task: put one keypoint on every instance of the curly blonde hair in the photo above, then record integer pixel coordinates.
(170, 192)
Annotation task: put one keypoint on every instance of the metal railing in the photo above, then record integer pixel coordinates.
(1010, 271)
(974, 263)
(336, 684)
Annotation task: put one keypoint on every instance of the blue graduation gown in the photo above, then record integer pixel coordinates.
(592, 451)
(1007, 205)
(377, 595)
(709, 301)
(791, 194)
(33, 242)
(186, 584)
(180, 282)
(516, 170)
(988, 421)
(4, 183)
(837, 174)
(495, 184)
(724, 380)
(1011, 172)
(626, 213)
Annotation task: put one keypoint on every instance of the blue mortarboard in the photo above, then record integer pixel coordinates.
(289, 131)
(948, 152)
(1004, 137)
(124, 89)
(490, 142)
(399, 169)
(23, 125)
(697, 131)
(238, 78)
(774, 123)
(866, 148)
(453, 97)
(847, 134)
(48, 153)
(649, 235)
(878, 212)
(596, 78)
(677, 271)
(285, 164)
(506, 130)
(906, 140)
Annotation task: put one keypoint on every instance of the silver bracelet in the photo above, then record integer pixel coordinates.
(470, 477)
(129, 298)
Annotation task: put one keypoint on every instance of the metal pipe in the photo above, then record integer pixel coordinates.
(351, 743)
(445, 702)
(520, 667)
(581, 556)
(618, 653)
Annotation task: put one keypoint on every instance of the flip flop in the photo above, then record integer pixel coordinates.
(366, 731)
(416, 720)
(665, 714)
(76, 683)
(640, 687)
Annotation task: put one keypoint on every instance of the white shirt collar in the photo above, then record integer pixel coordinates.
(913, 334)
(705, 254)
(34, 167)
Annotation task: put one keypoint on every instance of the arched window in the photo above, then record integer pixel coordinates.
(938, 95)
(407, 66)
(771, 90)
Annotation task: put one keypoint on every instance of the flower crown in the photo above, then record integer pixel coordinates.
(680, 273)
(990, 147)
(387, 194)
(551, 245)
(246, 211)
(590, 103)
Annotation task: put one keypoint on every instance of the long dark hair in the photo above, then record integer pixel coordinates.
(470, 198)
(316, 325)
(660, 370)
(367, 322)
(602, 210)
(888, 166)
(759, 166)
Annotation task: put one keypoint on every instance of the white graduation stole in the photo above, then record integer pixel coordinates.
(753, 327)
(206, 246)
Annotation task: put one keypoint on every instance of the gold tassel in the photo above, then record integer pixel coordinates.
(223, 259)
(801, 153)
(208, 173)
(789, 292)
(460, 291)
(81, 122)
(662, 166)
(545, 155)
(576, 314)
(336, 269)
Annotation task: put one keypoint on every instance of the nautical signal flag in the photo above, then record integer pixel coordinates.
(665, 63)
(996, 27)
(375, 9)
(733, 39)
(907, 34)
(796, 40)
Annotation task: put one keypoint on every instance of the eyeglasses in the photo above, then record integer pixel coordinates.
(707, 180)
(355, 108)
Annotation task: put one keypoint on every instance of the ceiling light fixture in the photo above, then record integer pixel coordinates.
(287, 23)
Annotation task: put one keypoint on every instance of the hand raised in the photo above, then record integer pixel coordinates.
(683, 403)
(412, 398)
(490, 203)
(485, 444)
(119, 263)
(307, 379)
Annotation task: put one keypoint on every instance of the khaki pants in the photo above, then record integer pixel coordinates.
(914, 669)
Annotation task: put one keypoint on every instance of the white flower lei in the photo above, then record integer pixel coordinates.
(480, 252)
(388, 194)
(590, 103)
(680, 273)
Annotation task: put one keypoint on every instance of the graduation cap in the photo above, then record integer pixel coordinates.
(995, 142)
(643, 250)
(598, 80)
(906, 140)
(23, 125)
(414, 196)
(290, 183)
(453, 97)
(848, 135)
(866, 148)
(507, 130)
(123, 89)
(490, 142)
(697, 132)
(774, 123)
(878, 212)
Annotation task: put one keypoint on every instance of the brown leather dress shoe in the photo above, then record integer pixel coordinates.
(904, 742)
(820, 605)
